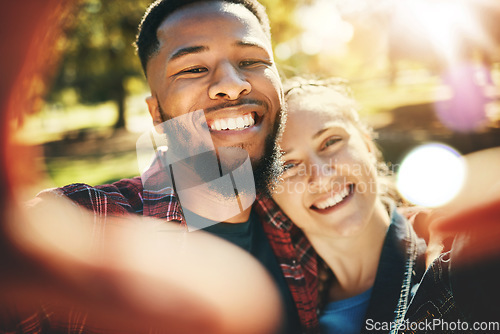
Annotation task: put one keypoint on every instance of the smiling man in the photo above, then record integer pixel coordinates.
(215, 57)
(214, 60)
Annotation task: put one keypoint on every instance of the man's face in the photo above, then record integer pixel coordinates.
(216, 57)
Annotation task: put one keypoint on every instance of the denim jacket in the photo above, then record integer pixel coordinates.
(401, 267)
(407, 297)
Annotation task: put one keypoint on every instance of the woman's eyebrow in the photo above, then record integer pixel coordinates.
(320, 132)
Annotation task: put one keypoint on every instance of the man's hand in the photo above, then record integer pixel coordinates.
(134, 274)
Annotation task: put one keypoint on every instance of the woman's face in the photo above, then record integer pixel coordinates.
(329, 185)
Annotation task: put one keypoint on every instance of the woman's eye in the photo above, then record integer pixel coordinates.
(331, 141)
(290, 169)
(289, 165)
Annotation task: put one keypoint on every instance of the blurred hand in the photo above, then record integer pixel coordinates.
(135, 274)
(476, 209)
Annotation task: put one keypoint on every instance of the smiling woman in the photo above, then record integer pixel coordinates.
(372, 261)
(331, 156)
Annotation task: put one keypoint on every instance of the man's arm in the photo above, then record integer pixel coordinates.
(142, 274)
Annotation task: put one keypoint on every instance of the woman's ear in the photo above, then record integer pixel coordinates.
(370, 145)
(154, 110)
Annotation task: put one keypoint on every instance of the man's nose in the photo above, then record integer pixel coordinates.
(228, 83)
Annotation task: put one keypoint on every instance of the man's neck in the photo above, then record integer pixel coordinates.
(242, 217)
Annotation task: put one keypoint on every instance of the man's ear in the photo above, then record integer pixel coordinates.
(154, 110)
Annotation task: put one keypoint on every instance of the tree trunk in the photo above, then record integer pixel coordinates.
(120, 103)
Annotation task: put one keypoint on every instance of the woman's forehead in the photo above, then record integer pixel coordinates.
(320, 99)
(325, 109)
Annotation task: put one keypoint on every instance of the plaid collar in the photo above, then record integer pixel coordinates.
(160, 200)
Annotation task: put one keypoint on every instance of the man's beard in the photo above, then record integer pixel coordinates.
(266, 169)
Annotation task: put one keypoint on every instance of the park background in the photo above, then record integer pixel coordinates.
(422, 71)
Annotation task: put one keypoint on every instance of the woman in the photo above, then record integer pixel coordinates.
(335, 189)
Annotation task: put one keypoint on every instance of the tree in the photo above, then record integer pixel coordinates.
(98, 52)
(98, 56)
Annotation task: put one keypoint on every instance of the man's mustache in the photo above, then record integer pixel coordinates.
(239, 102)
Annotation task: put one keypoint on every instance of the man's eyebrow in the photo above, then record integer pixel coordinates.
(249, 44)
(187, 50)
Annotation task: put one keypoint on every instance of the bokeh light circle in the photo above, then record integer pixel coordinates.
(431, 175)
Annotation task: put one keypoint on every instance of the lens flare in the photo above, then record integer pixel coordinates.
(431, 175)
(465, 111)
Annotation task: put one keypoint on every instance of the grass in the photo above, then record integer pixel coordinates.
(109, 160)
(92, 171)
(54, 122)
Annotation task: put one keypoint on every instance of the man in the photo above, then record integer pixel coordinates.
(129, 284)
(216, 56)
(128, 196)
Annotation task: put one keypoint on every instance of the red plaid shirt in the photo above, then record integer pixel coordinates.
(293, 251)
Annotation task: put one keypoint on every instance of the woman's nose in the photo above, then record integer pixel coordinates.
(320, 174)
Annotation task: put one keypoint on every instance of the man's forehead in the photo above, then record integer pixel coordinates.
(202, 11)
(201, 24)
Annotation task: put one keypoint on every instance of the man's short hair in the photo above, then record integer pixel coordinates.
(147, 43)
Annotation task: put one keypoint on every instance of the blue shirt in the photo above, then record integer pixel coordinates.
(345, 316)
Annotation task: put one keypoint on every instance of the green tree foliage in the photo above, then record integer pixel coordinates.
(284, 25)
(98, 55)
(98, 52)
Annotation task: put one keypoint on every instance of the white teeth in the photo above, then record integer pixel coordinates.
(216, 125)
(251, 120)
(238, 123)
(231, 124)
(223, 124)
(334, 200)
(337, 198)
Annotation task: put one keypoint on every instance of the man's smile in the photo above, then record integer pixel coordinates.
(236, 118)
(234, 123)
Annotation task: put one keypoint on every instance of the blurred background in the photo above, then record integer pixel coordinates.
(422, 71)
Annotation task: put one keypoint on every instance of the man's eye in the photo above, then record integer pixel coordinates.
(194, 70)
(251, 62)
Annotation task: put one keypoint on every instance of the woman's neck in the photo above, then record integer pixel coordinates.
(353, 260)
